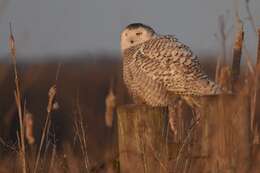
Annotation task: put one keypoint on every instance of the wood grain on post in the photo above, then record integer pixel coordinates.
(229, 133)
(142, 145)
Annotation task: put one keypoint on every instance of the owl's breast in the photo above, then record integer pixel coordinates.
(141, 85)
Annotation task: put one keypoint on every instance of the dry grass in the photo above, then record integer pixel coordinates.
(52, 93)
(18, 101)
(81, 134)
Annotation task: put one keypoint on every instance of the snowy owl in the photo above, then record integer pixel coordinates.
(159, 69)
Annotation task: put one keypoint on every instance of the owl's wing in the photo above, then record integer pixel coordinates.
(172, 63)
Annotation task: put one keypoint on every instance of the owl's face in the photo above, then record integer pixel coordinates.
(135, 34)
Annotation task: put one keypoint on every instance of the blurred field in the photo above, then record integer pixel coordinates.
(90, 77)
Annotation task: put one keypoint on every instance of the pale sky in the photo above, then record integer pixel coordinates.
(45, 27)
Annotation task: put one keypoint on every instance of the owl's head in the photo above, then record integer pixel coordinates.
(134, 34)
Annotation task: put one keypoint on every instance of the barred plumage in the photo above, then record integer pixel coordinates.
(157, 68)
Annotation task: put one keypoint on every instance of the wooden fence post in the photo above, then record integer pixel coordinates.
(141, 135)
(228, 119)
(222, 145)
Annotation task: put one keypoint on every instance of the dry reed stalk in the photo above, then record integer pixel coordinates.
(184, 144)
(258, 48)
(156, 156)
(256, 97)
(249, 63)
(250, 16)
(110, 106)
(52, 94)
(222, 58)
(217, 68)
(52, 105)
(70, 160)
(11, 147)
(53, 156)
(81, 133)
(237, 51)
(18, 100)
(224, 78)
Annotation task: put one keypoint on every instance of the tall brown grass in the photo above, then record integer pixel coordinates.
(18, 101)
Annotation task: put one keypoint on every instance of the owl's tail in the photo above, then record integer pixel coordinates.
(216, 89)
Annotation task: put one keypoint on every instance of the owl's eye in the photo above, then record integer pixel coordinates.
(138, 33)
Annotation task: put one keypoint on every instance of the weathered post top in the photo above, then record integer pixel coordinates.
(141, 139)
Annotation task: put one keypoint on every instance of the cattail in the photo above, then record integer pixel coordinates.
(258, 48)
(52, 93)
(55, 105)
(237, 51)
(18, 100)
(28, 124)
(110, 106)
(12, 44)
